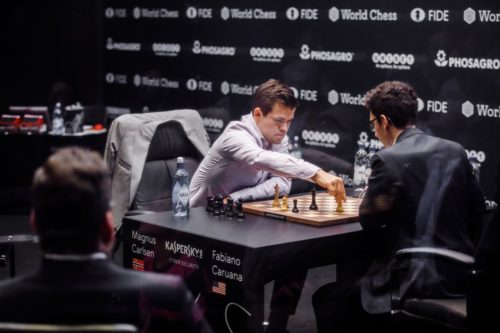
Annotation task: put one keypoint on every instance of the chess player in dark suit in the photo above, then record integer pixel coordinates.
(77, 283)
(421, 192)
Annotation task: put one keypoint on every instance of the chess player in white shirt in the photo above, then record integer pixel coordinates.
(248, 160)
(251, 156)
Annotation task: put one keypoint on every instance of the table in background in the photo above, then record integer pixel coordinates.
(22, 154)
(226, 262)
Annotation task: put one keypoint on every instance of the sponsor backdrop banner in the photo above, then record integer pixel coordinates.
(210, 56)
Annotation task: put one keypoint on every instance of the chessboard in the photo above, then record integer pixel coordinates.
(324, 216)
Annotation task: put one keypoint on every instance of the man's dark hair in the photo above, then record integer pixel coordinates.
(71, 194)
(271, 92)
(396, 100)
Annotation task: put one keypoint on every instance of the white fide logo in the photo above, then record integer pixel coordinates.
(393, 60)
(466, 62)
(292, 13)
(479, 155)
(109, 12)
(321, 139)
(191, 12)
(266, 54)
(224, 13)
(213, 124)
(417, 15)
(137, 80)
(433, 106)
(224, 87)
(295, 92)
(191, 84)
(110, 78)
(420, 104)
(137, 13)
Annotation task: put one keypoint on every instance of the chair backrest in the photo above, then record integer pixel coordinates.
(169, 141)
(43, 327)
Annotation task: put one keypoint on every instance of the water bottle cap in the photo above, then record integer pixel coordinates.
(180, 159)
(296, 138)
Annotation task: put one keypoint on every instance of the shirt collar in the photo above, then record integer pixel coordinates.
(250, 120)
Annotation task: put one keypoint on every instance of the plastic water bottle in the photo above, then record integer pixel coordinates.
(296, 151)
(360, 166)
(57, 120)
(368, 170)
(180, 193)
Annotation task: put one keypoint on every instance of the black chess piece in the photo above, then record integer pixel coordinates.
(239, 209)
(295, 209)
(313, 205)
(210, 204)
(219, 205)
(229, 207)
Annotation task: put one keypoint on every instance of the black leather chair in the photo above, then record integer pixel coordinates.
(154, 192)
(477, 311)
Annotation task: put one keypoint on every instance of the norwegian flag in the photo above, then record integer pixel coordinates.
(219, 287)
(137, 264)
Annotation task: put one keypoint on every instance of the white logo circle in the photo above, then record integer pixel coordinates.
(417, 15)
(110, 78)
(191, 12)
(295, 92)
(224, 13)
(137, 80)
(137, 13)
(224, 87)
(292, 13)
(420, 103)
(191, 84)
(109, 12)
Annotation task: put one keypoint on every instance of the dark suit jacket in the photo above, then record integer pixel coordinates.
(97, 291)
(421, 192)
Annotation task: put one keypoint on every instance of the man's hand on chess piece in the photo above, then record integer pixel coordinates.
(333, 184)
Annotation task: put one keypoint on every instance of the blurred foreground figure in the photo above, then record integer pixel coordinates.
(421, 192)
(77, 283)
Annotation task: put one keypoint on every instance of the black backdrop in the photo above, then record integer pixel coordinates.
(211, 54)
(134, 56)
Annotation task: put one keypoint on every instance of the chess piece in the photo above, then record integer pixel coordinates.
(340, 208)
(284, 203)
(313, 205)
(276, 202)
(229, 207)
(239, 209)
(210, 204)
(219, 205)
(295, 209)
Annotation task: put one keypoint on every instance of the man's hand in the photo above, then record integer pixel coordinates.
(333, 184)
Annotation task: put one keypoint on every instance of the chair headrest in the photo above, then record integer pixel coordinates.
(170, 141)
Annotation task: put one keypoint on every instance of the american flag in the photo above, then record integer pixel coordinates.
(137, 264)
(219, 287)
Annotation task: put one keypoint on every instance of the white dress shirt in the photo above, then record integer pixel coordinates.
(242, 163)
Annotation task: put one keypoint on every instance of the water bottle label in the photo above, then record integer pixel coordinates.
(183, 195)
